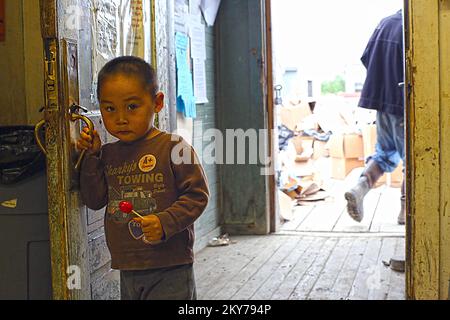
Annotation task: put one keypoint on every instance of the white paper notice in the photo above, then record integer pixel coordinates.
(210, 9)
(194, 10)
(200, 81)
(181, 16)
(198, 41)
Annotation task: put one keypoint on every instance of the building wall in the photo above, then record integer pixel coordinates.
(21, 75)
(208, 225)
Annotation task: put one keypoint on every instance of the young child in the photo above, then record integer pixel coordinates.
(154, 254)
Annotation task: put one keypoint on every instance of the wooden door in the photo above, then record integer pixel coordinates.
(243, 111)
(67, 221)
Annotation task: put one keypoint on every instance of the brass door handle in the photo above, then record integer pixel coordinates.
(90, 124)
(37, 137)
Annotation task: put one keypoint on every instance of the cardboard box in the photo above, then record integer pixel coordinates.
(305, 155)
(308, 123)
(346, 146)
(320, 149)
(291, 117)
(303, 169)
(298, 144)
(341, 167)
(329, 119)
(303, 147)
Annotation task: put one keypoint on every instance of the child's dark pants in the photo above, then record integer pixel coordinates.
(173, 283)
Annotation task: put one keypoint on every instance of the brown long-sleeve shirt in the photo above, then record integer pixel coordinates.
(160, 176)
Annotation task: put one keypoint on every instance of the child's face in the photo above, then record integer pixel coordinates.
(127, 107)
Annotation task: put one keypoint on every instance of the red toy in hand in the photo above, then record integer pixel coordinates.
(127, 207)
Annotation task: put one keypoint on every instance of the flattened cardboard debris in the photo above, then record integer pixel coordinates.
(308, 188)
(318, 196)
(292, 184)
(291, 188)
(291, 194)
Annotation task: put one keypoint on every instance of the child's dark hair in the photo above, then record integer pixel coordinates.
(129, 65)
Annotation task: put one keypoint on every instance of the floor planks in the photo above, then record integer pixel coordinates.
(381, 208)
(298, 267)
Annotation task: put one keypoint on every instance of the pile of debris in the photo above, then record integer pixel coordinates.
(301, 142)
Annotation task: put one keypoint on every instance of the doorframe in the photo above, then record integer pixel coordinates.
(271, 114)
(425, 197)
(427, 160)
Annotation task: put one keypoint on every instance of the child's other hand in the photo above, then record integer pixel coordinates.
(151, 227)
(92, 145)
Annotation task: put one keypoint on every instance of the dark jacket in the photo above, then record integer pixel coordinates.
(383, 59)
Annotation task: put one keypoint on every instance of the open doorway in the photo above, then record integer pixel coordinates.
(324, 138)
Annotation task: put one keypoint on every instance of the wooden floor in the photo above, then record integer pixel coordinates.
(381, 208)
(321, 253)
(298, 267)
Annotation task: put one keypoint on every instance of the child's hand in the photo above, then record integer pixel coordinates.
(92, 145)
(151, 227)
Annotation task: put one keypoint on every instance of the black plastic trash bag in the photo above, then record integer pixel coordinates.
(20, 156)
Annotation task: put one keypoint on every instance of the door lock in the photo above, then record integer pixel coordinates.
(37, 136)
(74, 116)
(37, 129)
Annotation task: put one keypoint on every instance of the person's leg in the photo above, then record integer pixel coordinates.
(173, 283)
(385, 159)
(127, 291)
(401, 219)
(399, 129)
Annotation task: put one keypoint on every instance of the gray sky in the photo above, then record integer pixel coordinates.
(325, 35)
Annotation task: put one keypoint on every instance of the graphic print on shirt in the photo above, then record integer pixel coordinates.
(136, 183)
(147, 163)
